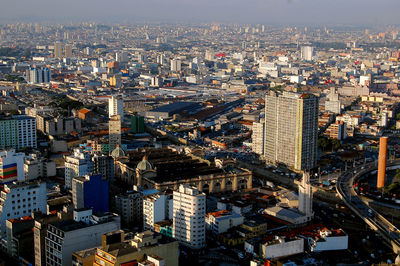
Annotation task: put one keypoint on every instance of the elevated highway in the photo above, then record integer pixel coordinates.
(378, 223)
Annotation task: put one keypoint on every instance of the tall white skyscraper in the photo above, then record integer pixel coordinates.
(189, 212)
(291, 129)
(307, 53)
(176, 65)
(305, 196)
(116, 106)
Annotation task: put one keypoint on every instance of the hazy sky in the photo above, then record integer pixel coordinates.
(317, 12)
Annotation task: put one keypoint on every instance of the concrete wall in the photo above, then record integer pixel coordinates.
(283, 249)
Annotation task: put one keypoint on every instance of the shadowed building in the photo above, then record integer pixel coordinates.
(167, 169)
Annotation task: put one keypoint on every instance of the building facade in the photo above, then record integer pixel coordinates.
(257, 137)
(189, 226)
(86, 191)
(18, 200)
(77, 164)
(11, 166)
(130, 207)
(291, 129)
(116, 107)
(65, 237)
(114, 128)
(18, 132)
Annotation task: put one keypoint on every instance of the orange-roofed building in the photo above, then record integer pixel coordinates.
(85, 114)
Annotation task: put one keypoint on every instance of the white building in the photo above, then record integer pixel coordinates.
(78, 164)
(189, 209)
(155, 209)
(329, 240)
(18, 200)
(307, 53)
(35, 167)
(116, 106)
(281, 247)
(18, 131)
(350, 120)
(221, 221)
(332, 103)
(257, 137)
(11, 166)
(83, 232)
(365, 80)
(176, 65)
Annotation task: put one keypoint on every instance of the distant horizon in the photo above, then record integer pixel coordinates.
(358, 13)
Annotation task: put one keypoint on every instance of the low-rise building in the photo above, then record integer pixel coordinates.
(278, 246)
(138, 249)
(221, 221)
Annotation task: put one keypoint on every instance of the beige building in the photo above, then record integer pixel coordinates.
(257, 137)
(140, 248)
(114, 127)
(291, 129)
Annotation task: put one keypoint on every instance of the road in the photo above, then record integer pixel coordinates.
(345, 189)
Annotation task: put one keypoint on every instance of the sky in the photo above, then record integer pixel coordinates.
(275, 12)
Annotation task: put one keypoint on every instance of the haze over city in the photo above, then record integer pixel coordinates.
(201, 133)
(276, 12)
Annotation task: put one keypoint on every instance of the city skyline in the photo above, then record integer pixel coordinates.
(274, 12)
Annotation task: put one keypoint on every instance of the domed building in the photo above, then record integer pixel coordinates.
(144, 165)
(168, 168)
(118, 152)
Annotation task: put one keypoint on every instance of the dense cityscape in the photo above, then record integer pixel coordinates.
(208, 144)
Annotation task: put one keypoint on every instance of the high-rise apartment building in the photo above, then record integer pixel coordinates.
(176, 65)
(307, 53)
(155, 209)
(77, 164)
(257, 137)
(130, 207)
(291, 129)
(11, 166)
(58, 49)
(38, 75)
(137, 124)
(21, 199)
(103, 165)
(68, 51)
(189, 212)
(90, 191)
(18, 132)
(116, 107)
(114, 129)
